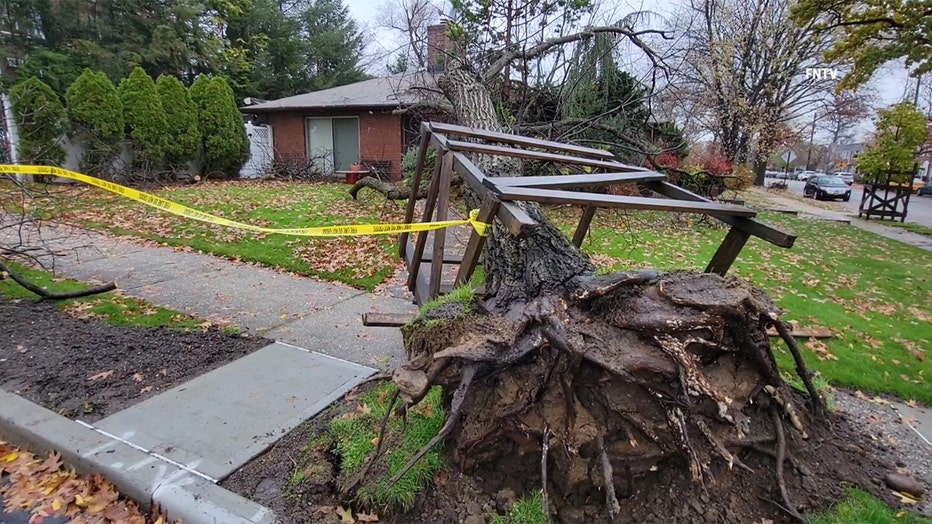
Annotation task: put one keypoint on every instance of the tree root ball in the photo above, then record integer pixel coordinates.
(620, 375)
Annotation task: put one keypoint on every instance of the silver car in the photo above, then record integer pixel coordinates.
(847, 177)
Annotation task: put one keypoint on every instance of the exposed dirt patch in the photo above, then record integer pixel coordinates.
(836, 458)
(88, 369)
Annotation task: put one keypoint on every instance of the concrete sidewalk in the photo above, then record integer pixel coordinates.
(874, 226)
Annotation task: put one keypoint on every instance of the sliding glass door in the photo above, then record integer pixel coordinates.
(333, 143)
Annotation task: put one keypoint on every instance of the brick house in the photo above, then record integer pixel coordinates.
(363, 122)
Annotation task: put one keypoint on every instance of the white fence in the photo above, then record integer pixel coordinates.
(261, 151)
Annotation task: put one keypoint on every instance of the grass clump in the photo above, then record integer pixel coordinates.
(862, 508)
(528, 510)
(110, 307)
(463, 295)
(355, 437)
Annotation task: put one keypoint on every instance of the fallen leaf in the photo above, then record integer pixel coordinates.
(912, 404)
(375, 441)
(138, 377)
(352, 394)
(146, 389)
(345, 515)
(21, 348)
(364, 409)
(367, 517)
(163, 372)
(905, 498)
(100, 376)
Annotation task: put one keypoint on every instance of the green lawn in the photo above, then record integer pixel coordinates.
(874, 292)
(362, 262)
(112, 307)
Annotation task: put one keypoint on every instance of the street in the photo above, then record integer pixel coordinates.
(919, 212)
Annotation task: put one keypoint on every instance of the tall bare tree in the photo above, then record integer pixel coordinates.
(843, 111)
(407, 21)
(746, 62)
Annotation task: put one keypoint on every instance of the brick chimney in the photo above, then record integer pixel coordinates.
(438, 46)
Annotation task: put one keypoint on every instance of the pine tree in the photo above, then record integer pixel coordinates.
(144, 119)
(225, 144)
(334, 45)
(183, 143)
(96, 115)
(40, 120)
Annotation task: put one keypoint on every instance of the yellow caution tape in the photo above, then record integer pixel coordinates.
(181, 210)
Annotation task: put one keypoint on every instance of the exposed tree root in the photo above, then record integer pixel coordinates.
(47, 295)
(781, 456)
(624, 373)
(815, 399)
(544, 455)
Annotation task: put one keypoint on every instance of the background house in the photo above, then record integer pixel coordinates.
(363, 122)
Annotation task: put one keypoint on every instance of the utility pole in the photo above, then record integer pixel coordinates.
(811, 136)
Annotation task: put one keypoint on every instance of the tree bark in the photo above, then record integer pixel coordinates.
(516, 270)
(390, 190)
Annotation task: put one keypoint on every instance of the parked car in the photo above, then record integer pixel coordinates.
(827, 188)
(918, 184)
(847, 177)
(805, 175)
(925, 190)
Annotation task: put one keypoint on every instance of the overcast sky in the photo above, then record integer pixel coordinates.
(891, 82)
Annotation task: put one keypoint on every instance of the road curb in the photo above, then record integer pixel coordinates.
(138, 475)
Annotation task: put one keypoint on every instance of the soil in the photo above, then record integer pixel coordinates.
(839, 455)
(88, 369)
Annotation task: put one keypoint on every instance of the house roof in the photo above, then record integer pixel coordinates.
(390, 91)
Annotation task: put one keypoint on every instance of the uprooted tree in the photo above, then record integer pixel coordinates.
(584, 384)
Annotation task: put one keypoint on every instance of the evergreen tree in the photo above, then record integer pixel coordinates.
(144, 119)
(225, 144)
(334, 45)
(40, 120)
(274, 48)
(96, 115)
(183, 142)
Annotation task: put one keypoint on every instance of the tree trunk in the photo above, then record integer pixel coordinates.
(522, 270)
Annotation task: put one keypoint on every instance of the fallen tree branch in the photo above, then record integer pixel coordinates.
(48, 295)
(390, 190)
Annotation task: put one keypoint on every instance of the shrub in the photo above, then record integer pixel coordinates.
(225, 144)
(96, 115)
(409, 164)
(144, 118)
(41, 121)
(183, 142)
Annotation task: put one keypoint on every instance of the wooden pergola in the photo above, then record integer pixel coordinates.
(500, 195)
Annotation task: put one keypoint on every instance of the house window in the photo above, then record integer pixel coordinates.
(333, 142)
